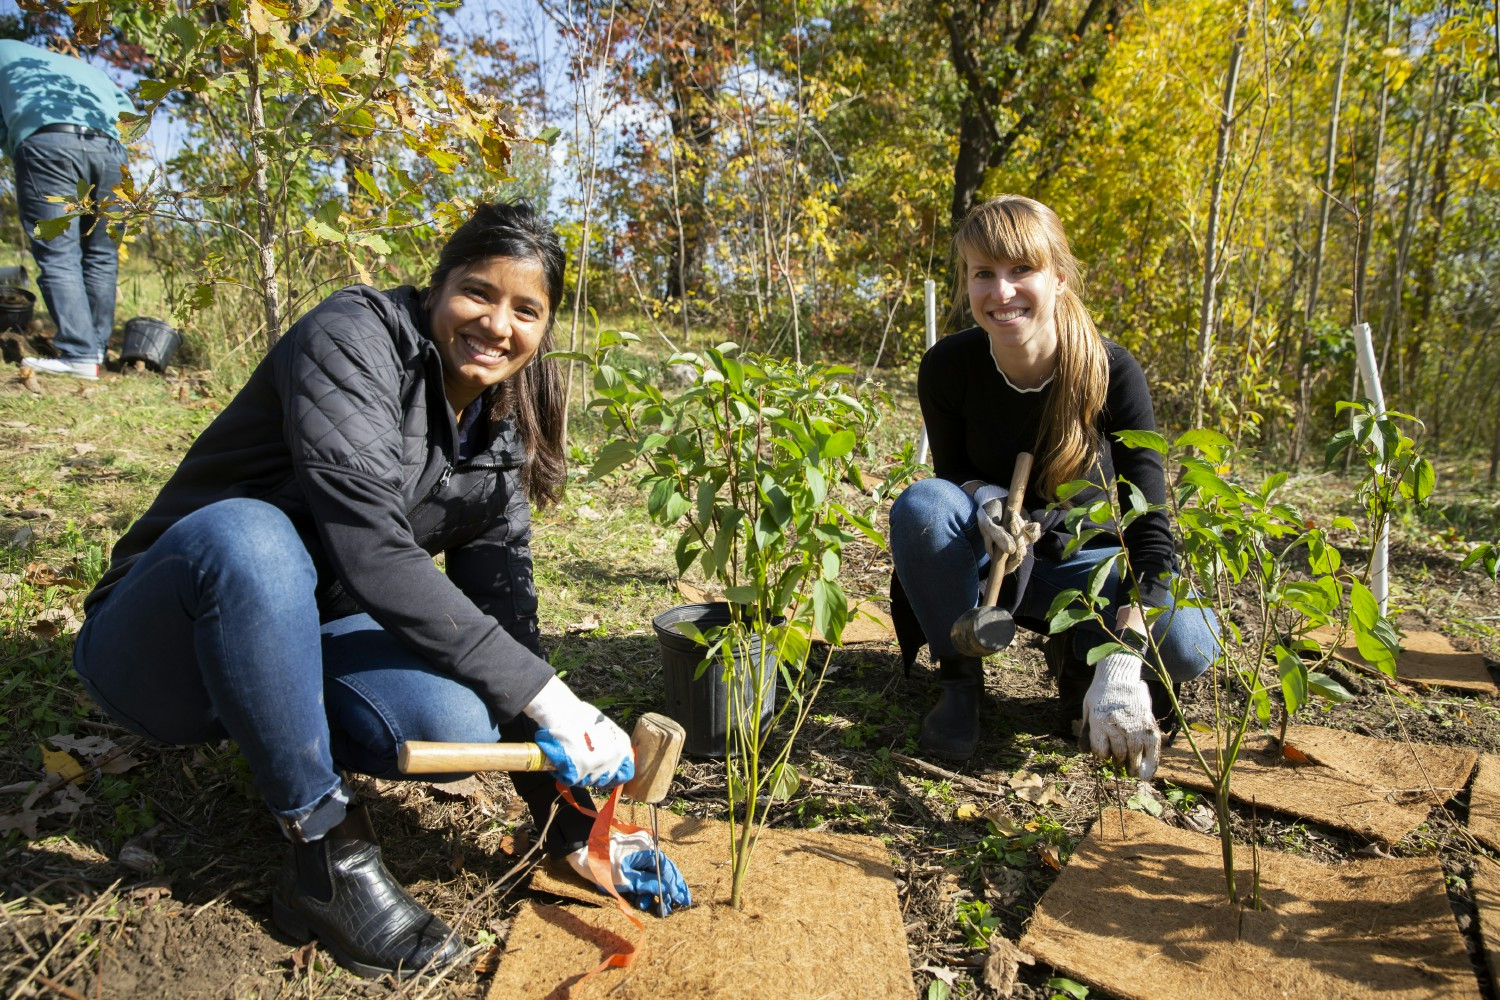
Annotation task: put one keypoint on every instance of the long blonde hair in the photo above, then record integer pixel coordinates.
(1013, 227)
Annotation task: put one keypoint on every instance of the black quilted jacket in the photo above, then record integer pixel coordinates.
(344, 426)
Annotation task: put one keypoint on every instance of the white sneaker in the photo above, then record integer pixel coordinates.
(60, 366)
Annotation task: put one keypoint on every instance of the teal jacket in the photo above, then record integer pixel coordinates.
(39, 88)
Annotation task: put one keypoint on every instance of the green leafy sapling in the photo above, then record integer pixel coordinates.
(757, 463)
(1250, 541)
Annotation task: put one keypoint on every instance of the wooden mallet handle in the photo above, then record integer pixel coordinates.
(1018, 478)
(657, 741)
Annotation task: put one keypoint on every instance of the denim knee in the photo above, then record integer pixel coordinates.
(251, 544)
(1188, 639)
(379, 694)
(927, 516)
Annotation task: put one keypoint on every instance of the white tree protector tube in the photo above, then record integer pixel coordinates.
(929, 294)
(1369, 373)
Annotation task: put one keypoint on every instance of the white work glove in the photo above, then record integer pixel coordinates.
(1005, 532)
(633, 864)
(1118, 723)
(584, 747)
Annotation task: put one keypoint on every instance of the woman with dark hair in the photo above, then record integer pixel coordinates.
(1035, 376)
(281, 589)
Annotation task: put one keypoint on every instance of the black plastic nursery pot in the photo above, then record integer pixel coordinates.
(701, 704)
(17, 306)
(151, 341)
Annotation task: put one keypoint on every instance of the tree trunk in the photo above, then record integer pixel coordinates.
(1211, 242)
(1330, 158)
(265, 247)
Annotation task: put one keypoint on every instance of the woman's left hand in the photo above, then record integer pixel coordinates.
(633, 867)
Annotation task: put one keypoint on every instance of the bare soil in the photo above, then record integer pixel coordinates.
(181, 907)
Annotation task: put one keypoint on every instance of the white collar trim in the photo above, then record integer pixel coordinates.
(1013, 386)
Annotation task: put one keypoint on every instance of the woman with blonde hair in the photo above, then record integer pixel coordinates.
(1035, 376)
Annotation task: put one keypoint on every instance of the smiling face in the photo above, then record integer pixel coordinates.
(487, 322)
(1015, 303)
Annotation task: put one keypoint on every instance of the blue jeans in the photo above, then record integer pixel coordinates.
(80, 264)
(214, 633)
(940, 557)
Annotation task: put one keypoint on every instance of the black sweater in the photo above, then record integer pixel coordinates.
(977, 424)
(344, 426)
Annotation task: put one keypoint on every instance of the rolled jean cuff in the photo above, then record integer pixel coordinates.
(304, 825)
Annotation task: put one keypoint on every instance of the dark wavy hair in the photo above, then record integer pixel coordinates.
(534, 395)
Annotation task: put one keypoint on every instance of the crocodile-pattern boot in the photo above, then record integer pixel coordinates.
(336, 889)
(951, 729)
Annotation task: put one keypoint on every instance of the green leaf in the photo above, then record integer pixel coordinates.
(49, 229)
(549, 135)
(838, 445)
(1104, 649)
(1213, 444)
(374, 241)
(1077, 991)
(784, 782)
(830, 609)
(937, 990)
(366, 180)
(1326, 687)
(614, 454)
(320, 230)
(740, 595)
(132, 127)
(1143, 439)
(1293, 678)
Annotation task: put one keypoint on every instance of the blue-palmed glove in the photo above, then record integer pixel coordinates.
(632, 866)
(584, 747)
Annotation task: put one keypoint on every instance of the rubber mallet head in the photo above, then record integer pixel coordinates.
(657, 741)
(987, 629)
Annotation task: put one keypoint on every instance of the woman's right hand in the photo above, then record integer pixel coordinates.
(1006, 532)
(584, 747)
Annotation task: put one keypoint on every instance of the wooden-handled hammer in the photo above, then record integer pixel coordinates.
(987, 629)
(656, 740)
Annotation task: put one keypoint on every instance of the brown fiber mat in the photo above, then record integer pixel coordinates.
(1376, 788)
(1487, 901)
(1426, 658)
(1484, 803)
(1144, 916)
(821, 920)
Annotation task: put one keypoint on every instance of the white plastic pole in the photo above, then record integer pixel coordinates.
(1369, 373)
(929, 294)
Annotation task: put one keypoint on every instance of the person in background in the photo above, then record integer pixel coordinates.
(281, 589)
(57, 125)
(1035, 376)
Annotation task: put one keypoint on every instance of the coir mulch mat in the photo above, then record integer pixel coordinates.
(1484, 803)
(1375, 788)
(1145, 915)
(821, 920)
(1426, 658)
(1487, 902)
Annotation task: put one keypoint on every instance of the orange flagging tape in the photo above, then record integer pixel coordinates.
(604, 821)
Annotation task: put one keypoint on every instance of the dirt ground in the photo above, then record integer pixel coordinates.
(195, 922)
(181, 908)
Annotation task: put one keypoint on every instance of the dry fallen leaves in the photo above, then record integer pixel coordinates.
(1003, 965)
(1037, 790)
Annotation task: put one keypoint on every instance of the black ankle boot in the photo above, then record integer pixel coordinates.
(1161, 705)
(1072, 675)
(951, 729)
(337, 890)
